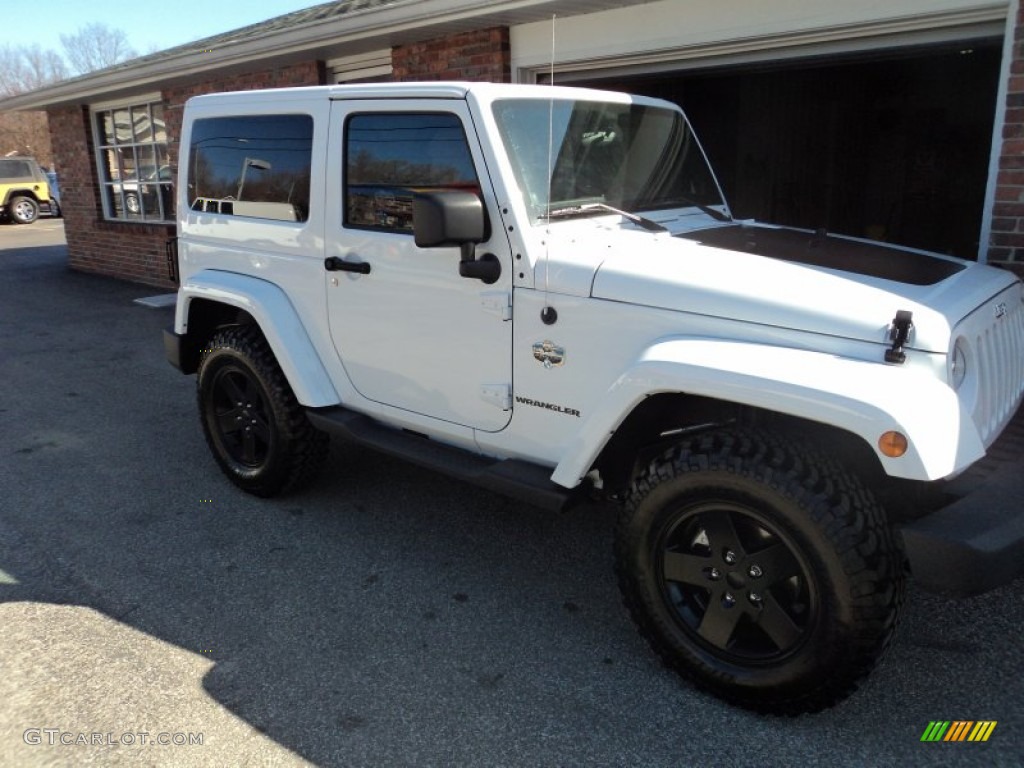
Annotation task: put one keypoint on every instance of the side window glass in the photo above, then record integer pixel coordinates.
(252, 165)
(389, 156)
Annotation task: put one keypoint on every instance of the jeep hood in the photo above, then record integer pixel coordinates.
(794, 279)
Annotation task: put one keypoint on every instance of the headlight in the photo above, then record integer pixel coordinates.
(958, 364)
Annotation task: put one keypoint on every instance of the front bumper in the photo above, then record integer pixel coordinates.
(976, 543)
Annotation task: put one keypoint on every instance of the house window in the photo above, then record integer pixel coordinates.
(131, 155)
(388, 156)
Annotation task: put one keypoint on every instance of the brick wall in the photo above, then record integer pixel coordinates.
(482, 55)
(129, 251)
(135, 251)
(1006, 242)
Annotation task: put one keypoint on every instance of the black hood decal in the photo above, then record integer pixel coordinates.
(831, 252)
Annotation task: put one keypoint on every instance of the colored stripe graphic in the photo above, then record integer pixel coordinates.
(958, 730)
(935, 731)
(982, 730)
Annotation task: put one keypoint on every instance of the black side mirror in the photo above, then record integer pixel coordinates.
(448, 217)
(452, 217)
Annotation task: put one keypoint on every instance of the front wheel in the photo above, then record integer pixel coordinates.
(256, 429)
(761, 572)
(24, 210)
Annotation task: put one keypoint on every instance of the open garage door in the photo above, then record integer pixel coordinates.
(892, 145)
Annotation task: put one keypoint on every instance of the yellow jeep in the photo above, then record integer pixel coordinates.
(24, 190)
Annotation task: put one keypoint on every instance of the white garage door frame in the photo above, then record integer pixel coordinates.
(675, 35)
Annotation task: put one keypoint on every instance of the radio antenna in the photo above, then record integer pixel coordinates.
(548, 314)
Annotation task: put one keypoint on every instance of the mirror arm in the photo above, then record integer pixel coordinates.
(467, 252)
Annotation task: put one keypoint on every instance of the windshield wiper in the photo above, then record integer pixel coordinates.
(705, 208)
(587, 208)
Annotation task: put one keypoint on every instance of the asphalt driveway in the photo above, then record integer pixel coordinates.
(385, 617)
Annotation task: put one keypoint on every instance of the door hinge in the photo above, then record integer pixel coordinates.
(498, 303)
(497, 394)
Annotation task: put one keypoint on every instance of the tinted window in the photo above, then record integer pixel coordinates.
(388, 156)
(15, 169)
(256, 165)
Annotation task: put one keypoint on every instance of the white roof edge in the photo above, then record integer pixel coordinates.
(429, 90)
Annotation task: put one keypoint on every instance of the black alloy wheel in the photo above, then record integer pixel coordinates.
(760, 570)
(258, 432)
(241, 417)
(737, 585)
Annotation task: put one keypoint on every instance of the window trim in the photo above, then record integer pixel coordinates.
(149, 100)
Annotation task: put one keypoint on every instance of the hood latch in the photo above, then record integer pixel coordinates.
(899, 333)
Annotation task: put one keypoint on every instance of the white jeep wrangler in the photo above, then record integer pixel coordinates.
(542, 291)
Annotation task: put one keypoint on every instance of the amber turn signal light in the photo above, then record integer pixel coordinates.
(893, 444)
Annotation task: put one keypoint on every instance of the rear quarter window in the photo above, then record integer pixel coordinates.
(253, 165)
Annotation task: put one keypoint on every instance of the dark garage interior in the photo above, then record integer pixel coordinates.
(892, 146)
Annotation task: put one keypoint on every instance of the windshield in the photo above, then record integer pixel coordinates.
(628, 156)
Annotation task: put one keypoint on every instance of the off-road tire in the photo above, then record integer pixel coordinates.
(256, 429)
(762, 572)
(22, 209)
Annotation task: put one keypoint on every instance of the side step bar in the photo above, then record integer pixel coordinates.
(510, 477)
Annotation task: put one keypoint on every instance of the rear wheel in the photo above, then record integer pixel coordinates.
(23, 210)
(256, 429)
(763, 573)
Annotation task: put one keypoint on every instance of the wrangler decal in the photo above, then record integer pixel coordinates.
(549, 406)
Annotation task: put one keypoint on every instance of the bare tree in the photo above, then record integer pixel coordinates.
(25, 68)
(25, 133)
(96, 46)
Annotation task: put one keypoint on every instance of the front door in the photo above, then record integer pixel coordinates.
(410, 332)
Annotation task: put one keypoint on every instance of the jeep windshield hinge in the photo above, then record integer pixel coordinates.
(899, 332)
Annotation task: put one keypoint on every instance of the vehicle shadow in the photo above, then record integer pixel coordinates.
(386, 615)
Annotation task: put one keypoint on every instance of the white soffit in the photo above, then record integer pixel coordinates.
(680, 34)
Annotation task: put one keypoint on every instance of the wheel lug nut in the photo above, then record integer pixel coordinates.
(755, 598)
(728, 600)
(755, 572)
(714, 574)
(729, 557)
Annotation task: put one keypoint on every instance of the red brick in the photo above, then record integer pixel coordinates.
(1011, 177)
(481, 55)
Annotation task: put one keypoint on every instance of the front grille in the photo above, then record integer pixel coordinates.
(998, 345)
